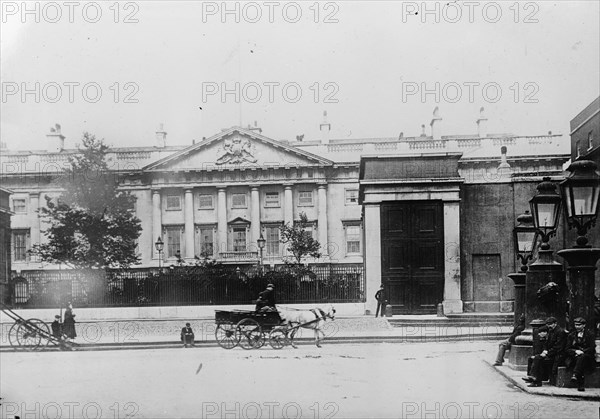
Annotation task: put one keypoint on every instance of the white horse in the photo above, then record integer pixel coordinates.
(307, 319)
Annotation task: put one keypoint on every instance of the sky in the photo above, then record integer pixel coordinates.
(119, 69)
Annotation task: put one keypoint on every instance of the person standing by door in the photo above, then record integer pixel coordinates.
(381, 301)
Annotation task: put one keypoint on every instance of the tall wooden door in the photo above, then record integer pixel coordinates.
(412, 264)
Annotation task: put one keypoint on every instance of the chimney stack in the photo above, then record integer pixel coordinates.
(482, 124)
(504, 169)
(325, 129)
(56, 141)
(436, 124)
(161, 137)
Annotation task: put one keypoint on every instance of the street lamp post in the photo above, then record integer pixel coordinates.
(581, 194)
(159, 245)
(545, 209)
(261, 245)
(525, 238)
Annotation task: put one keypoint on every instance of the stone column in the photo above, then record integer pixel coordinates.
(372, 222)
(288, 204)
(156, 221)
(189, 224)
(452, 302)
(254, 217)
(322, 218)
(34, 205)
(221, 220)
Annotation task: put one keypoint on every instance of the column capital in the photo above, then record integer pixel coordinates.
(288, 185)
(254, 187)
(188, 190)
(155, 191)
(221, 188)
(322, 185)
(35, 194)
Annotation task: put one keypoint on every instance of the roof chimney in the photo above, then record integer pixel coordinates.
(255, 128)
(504, 169)
(325, 129)
(161, 137)
(56, 141)
(423, 131)
(482, 124)
(436, 124)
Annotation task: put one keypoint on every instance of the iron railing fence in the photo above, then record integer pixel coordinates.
(188, 285)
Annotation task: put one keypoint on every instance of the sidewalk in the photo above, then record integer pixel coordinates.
(515, 377)
(127, 334)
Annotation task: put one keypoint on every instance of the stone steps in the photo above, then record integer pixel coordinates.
(454, 320)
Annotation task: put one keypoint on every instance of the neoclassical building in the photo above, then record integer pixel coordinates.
(216, 197)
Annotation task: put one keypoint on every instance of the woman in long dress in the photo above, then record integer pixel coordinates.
(69, 323)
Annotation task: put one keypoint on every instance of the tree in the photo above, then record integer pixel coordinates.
(300, 241)
(92, 222)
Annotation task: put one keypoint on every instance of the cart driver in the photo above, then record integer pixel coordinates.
(266, 299)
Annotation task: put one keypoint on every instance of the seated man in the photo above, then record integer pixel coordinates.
(508, 342)
(266, 299)
(580, 352)
(187, 336)
(546, 363)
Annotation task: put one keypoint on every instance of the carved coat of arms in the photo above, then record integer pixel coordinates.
(236, 150)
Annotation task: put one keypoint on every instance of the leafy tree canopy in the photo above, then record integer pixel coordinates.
(300, 242)
(92, 223)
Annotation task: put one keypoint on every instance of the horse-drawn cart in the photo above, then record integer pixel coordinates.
(247, 329)
(29, 334)
(251, 329)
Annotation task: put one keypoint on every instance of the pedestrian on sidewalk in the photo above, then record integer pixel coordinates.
(69, 323)
(187, 336)
(56, 328)
(381, 301)
(580, 352)
(507, 343)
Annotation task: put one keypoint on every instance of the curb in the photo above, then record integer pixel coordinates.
(547, 390)
(301, 341)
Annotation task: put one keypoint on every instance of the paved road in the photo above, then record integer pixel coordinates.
(422, 380)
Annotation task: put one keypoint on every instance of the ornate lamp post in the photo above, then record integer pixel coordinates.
(261, 245)
(581, 193)
(159, 245)
(525, 238)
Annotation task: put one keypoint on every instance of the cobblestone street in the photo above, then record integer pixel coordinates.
(441, 380)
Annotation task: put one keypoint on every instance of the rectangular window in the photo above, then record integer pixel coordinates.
(173, 202)
(20, 243)
(238, 200)
(590, 140)
(272, 238)
(205, 241)
(272, 199)
(19, 205)
(305, 198)
(351, 196)
(174, 238)
(577, 149)
(239, 239)
(353, 235)
(205, 201)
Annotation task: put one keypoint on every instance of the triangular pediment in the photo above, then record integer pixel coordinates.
(239, 220)
(237, 148)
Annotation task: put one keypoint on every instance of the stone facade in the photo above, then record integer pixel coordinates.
(217, 197)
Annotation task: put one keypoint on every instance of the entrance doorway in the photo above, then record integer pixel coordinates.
(412, 263)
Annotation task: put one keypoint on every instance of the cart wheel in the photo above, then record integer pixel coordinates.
(249, 334)
(33, 334)
(12, 335)
(226, 336)
(278, 337)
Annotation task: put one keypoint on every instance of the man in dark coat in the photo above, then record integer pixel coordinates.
(580, 352)
(266, 299)
(380, 297)
(506, 344)
(547, 361)
(187, 335)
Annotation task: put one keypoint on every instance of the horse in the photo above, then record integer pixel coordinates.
(307, 319)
